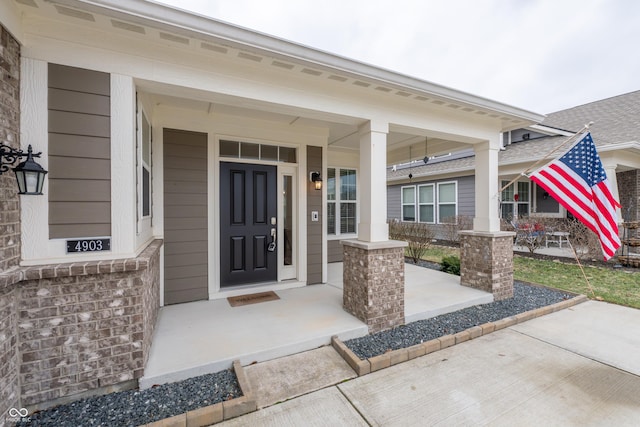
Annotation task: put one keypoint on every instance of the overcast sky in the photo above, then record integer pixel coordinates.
(541, 55)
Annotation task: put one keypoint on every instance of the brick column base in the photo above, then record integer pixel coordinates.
(373, 282)
(486, 262)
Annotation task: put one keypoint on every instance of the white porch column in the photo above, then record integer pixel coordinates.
(373, 225)
(487, 218)
(610, 169)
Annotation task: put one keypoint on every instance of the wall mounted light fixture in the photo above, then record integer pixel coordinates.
(316, 179)
(29, 174)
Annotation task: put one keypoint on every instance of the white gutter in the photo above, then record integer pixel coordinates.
(193, 25)
(631, 145)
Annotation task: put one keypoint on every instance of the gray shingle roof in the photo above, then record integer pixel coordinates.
(616, 119)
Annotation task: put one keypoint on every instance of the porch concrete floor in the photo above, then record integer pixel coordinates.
(207, 336)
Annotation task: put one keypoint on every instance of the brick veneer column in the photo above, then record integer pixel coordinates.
(9, 225)
(486, 262)
(373, 282)
(629, 190)
(73, 328)
(9, 135)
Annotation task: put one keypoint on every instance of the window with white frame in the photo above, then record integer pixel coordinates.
(447, 201)
(426, 203)
(144, 167)
(408, 201)
(515, 200)
(342, 201)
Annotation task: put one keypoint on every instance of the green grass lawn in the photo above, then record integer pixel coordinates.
(615, 286)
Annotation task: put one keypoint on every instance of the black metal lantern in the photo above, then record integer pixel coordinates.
(29, 174)
(316, 179)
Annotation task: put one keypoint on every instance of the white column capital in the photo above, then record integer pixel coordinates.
(376, 126)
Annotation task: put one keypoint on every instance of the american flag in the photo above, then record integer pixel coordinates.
(578, 182)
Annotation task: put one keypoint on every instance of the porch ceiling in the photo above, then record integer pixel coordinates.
(343, 131)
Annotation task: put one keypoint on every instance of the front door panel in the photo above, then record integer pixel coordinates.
(248, 202)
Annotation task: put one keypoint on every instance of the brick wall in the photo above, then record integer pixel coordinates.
(373, 286)
(9, 223)
(9, 135)
(84, 326)
(9, 385)
(486, 262)
(80, 326)
(629, 191)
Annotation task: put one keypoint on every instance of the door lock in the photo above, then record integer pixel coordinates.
(272, 246)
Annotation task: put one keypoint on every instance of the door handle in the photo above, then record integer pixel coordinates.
(272, 246)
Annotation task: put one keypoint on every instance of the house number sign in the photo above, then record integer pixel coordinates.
(89, 245)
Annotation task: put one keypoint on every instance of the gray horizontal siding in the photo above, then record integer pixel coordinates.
(466, 196)
(334, 251)
(314, 229)
(79, 152)
(186, 218)
(393, 202)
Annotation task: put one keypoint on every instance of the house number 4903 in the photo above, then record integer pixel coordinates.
(88, 245)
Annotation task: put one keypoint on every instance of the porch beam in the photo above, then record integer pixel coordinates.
(373, 225)
(487, 218)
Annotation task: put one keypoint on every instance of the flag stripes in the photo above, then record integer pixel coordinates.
(578, 182)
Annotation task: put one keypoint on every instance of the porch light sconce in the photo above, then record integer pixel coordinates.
(316, 179)
(29, 174)
(545, 195)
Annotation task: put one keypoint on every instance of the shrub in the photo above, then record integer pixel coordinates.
(451, 265)
(453, 225)
(417, 235)
(584, 241)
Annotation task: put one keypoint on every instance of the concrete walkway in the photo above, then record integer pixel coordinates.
(207, 336)
(579, 366)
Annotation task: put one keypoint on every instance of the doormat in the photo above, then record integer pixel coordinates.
(252, 298)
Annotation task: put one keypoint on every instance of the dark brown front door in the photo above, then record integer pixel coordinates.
(248, 211)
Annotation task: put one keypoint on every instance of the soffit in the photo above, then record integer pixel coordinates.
(171, 26)
(262, 52)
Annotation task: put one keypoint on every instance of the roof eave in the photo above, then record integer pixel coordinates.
(170, 18)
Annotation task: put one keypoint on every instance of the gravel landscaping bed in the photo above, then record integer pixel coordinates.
(135, 407)
(526, 297)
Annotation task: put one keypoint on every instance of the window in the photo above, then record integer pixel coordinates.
(447, 202)
(515, 200)
(254, 151)
(341, 201)
(426, 210)
(409, 204)
(144, 167)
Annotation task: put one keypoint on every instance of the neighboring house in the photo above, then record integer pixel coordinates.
(444, 187)
(181, 152)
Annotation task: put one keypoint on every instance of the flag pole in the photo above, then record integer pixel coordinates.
(546, 157)
(575, 254)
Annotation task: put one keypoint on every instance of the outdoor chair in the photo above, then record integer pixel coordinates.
(528, 234)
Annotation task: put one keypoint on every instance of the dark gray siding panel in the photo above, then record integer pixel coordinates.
(78, 79)
(79, 102)
(314, 229)
(334, 251)
(393, 202)
(186, 218)
(466, 195)
(79, 152)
